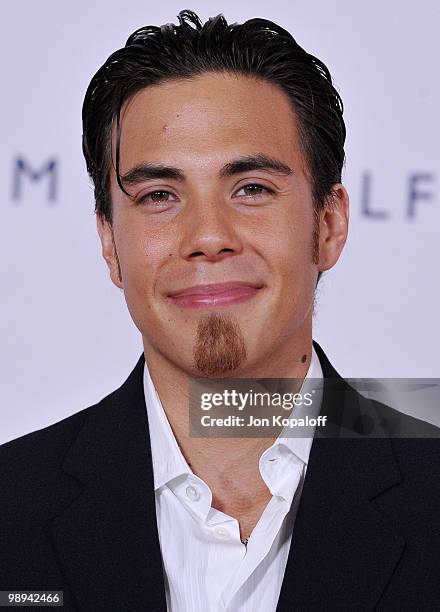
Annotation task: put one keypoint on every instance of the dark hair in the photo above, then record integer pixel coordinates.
(258, 47)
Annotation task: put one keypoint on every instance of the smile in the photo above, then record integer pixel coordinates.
(209, 296)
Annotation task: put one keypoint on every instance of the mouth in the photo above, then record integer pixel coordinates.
(219, 294)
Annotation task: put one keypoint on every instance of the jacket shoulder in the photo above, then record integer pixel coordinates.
(415, 443)
(42, 443)
(402, 425)
(31, 468)
(31, 465)
(24, 461)
(30, 473)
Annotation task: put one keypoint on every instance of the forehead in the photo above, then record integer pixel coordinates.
(207, 118)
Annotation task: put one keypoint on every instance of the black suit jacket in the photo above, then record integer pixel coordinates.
(77, 510)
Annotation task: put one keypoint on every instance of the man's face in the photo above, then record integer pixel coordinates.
(215, 223)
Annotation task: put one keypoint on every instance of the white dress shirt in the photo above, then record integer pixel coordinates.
(206, 566)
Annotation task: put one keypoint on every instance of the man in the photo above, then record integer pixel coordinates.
(216, 153)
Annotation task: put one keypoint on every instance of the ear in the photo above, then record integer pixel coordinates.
(333, 227)
(105, 231)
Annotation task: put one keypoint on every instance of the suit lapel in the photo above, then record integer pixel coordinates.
(107, 539)
(343, 550)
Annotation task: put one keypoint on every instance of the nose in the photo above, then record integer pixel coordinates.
(210, 231)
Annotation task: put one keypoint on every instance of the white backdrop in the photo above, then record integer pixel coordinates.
(66, 336)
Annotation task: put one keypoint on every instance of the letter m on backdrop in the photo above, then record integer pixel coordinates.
(47, 171)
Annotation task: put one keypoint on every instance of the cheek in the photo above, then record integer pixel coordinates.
(140, 255)
(139, 272)
(293, 271)
(288, 245)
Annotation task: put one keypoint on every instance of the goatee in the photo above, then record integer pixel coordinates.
(220, 347)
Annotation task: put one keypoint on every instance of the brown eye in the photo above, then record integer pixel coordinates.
(255, 190)
(158, 196)
(155, 197)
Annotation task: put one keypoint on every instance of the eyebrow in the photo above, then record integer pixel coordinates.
(260, 161)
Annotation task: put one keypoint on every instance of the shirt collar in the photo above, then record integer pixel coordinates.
(299, 440)
(168, 460)
(282, 464)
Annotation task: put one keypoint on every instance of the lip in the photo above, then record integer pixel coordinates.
(217, 294)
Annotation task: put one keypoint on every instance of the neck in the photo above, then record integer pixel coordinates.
(221, 454)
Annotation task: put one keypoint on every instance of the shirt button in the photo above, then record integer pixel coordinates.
(221, 533)
(273, 459)
(192, 493)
